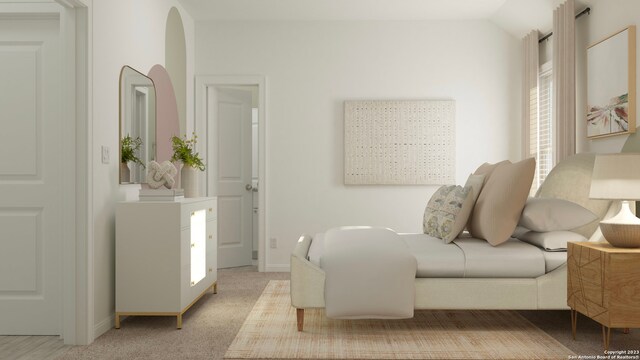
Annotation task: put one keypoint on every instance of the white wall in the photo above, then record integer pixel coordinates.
(312, 67)
(124, 33)
(606, 18)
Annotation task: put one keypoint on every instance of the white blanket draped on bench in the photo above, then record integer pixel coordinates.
(370, 274)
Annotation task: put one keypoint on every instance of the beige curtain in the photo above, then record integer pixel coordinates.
(564, 80)
(530, 93)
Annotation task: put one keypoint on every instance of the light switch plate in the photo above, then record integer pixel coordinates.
(105, 155)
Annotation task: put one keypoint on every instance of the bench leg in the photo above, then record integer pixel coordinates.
(300, 316)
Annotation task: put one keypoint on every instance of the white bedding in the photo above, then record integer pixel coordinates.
(358, 263)
(469, 258)
(511, 259)
(435, 258)
(553, 259)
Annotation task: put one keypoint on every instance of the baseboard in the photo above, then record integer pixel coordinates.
(277, 268)
(103, 326)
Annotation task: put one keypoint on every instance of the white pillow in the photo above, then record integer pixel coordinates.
(519, 231)
(551, 240)
(551, 214)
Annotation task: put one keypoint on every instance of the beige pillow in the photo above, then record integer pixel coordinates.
(485, 171)
(498, 208)
(447, 212)
(475, 182)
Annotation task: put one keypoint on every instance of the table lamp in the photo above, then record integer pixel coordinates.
(617, 177)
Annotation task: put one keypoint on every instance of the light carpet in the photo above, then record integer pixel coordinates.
(270, 332)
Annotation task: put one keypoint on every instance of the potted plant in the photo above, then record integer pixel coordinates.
(129, 148)
(184, 151)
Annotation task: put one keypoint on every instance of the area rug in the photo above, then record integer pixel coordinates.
(270, 332)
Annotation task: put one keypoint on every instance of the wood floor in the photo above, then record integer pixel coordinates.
(31, 347)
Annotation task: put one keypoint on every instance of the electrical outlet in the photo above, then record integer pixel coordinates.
(105, 155)
(273, 243)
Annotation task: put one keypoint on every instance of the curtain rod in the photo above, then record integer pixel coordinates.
(586, 11)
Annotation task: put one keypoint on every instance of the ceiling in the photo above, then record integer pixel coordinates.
(340, 9)
(517, 17)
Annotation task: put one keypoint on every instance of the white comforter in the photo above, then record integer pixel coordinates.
(370, 274)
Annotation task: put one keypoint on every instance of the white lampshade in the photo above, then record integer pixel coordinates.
(616, 177)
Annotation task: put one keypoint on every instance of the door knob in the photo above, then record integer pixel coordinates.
(248, 187)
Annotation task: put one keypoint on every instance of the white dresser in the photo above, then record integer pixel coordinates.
(166, 256)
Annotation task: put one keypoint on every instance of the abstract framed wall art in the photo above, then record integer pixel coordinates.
(611, 85)
(399, 142)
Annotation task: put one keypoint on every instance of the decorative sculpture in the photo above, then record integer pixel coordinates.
(161, 174)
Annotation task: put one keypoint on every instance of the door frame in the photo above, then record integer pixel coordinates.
(76, 19)
(77, 251)
(203, 83)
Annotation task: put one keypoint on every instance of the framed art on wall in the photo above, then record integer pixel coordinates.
(611, 85)
(399, 142)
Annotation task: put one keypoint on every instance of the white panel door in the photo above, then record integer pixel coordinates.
(231, 173)
(30, 178)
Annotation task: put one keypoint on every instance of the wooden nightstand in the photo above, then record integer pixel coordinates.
(604, 284)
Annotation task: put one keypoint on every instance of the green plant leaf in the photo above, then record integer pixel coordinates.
(129, 148)
(184, 151)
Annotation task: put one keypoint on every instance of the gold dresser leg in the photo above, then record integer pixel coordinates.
(179, 321)
(215, 287)
(574, 322)
(117, 320)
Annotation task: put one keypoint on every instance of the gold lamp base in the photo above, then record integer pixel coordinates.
(621, 235)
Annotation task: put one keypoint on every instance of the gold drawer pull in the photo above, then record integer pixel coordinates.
(210, 209)
(193, 245)
(210, 270)
(193, 283)
(210, 236)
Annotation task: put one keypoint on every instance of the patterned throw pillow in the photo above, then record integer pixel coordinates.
(447, 212)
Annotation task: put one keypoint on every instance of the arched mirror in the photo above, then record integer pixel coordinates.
(137, 125)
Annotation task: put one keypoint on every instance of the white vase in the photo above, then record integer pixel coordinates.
(125, 173)
(189, 181)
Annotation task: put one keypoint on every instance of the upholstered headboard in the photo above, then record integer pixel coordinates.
(571, 180)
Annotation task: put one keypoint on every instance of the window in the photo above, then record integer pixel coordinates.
(541, 128)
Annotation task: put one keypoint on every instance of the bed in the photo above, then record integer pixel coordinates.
(469, 273)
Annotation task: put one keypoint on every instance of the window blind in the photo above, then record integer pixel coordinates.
(541, 130)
